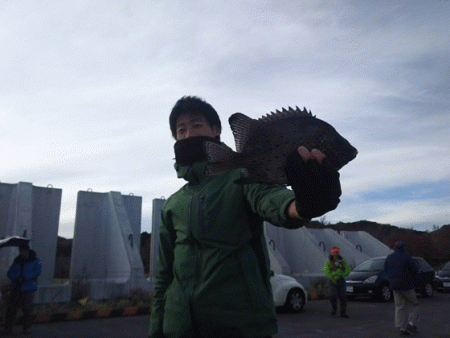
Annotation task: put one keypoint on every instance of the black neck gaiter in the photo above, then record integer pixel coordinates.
(191, 149)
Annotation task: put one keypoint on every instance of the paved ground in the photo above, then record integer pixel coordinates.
(367, 319)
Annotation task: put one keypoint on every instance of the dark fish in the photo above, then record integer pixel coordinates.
(262, 145)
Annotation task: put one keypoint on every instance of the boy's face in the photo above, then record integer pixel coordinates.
(189, 125)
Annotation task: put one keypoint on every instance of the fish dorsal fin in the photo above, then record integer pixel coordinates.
(285, 113)
(240, 126)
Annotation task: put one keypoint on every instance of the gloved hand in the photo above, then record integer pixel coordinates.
(316, 186)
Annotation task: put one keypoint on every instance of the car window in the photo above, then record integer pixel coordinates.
(446, 266)
(370, 265)
(423, 265)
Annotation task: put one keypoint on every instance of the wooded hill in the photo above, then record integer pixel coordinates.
(433, 246)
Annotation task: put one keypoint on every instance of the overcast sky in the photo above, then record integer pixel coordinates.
(86, 88)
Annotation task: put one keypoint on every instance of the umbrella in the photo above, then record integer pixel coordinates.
(13, 241)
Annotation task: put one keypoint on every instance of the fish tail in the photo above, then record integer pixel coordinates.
(220, 159)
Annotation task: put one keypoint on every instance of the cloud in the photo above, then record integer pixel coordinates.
(87, 87)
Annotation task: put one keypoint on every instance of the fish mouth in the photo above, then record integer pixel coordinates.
(352, 156)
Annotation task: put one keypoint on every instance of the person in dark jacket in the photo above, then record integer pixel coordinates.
(402, 270)
(213, 272)
(24, 272)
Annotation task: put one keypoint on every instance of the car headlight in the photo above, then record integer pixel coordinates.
(370, 280)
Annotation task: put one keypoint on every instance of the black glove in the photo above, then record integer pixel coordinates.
(316, 186)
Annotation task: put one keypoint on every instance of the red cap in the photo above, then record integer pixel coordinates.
(335, 250)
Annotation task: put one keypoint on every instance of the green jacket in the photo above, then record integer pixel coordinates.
(213, 266)
(334, 275)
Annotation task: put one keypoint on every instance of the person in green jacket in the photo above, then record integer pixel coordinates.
(213, 270)
(336, 268)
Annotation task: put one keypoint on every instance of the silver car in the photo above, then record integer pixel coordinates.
(288, 293)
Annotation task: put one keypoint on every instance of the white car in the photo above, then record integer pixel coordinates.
(288, 293)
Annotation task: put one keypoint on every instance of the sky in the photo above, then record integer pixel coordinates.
(86, 89)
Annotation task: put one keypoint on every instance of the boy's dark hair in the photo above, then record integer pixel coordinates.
(193, 105)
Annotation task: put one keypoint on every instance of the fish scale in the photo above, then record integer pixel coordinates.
(263, 144)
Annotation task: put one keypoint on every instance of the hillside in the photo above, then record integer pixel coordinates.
(433, 246)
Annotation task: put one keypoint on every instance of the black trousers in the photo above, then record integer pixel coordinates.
(338, 292)
(23, 300)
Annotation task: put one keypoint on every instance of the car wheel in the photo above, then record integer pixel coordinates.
(295, 300)
(385, 294)
(427, 290)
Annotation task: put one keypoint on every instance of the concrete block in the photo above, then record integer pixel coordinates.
(49, 294)
(30, 212)
(106, 244)
(327, 238)
(306, 250)
(366, 243)
(154, 242)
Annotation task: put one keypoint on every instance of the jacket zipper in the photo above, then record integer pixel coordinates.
(201, 227)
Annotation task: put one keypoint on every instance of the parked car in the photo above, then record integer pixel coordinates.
(443, 278)
(288, 293)
(369, 279)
